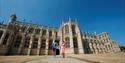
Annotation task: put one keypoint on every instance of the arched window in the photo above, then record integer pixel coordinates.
(30, 30)
(43, 44)
(50, 43)
(23, 29)
(66, 29)
(37, 31)
(27, 42)
(35, 43)
(1, 33)
(50, 33)
(73, 29)
(44, 33)
(75, 42)
(18, 41)
(67, 42)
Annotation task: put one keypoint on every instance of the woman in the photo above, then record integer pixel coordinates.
(62, 47)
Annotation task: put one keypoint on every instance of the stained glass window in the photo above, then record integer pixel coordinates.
(67, 42)
(66, 29)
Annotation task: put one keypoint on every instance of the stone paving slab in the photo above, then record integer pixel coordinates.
(102, 58)
(18, 59)
(57, 59)
(79, 58)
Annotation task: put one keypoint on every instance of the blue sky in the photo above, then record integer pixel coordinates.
(93, 15)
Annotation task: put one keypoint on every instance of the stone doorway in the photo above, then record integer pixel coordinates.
(57, 50)
(75, 44)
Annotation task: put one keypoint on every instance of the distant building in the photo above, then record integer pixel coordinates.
(22, 38)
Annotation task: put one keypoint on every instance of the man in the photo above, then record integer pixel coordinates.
(54, 47)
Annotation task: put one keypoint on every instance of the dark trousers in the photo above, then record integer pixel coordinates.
(54, 51)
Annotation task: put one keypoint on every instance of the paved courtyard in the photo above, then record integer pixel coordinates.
(57, 59)
(102, 58)
(38, 59)
(80, 58)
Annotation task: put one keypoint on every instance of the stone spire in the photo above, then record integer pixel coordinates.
(13, 18)
(62, 21)
(76, 21)
(70, 23)
(69, 19)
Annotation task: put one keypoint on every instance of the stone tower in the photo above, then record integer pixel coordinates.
(13, 18)
(70, 33)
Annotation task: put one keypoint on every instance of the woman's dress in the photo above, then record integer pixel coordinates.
(62, 48)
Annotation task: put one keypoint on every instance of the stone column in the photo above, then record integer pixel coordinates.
(94, 47)
(79, 38)
(53, 35)
(30, 45)
(104, 49)
(111, 49)
(71, 37)
(80, 45)
(21, 44)
(98, 47)
(39, 42)
(107, 48)
(61, 34)
(90, 47)
(2, 37)
(96, 51)
(47, 42)
(47, 46)
(9, 40)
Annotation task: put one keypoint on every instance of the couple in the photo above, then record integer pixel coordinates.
(55, 47)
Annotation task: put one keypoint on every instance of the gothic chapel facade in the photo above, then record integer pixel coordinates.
(22, 38)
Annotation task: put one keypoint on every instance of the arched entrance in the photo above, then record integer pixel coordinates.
(75, 44)
(1, 33)
(57, 50)
(50, 48)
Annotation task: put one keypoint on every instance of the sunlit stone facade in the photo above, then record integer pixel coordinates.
(22, 38)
